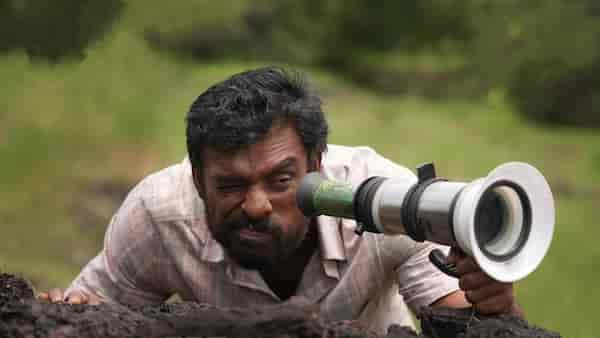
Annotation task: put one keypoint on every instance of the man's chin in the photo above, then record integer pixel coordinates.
(252, 255)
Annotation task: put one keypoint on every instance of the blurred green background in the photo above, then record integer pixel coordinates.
(93, 96)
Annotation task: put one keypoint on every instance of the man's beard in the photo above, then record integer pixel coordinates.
(247, 256)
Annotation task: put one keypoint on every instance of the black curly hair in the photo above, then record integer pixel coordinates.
(239, 111)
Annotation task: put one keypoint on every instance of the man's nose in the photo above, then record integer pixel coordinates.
(257, 204)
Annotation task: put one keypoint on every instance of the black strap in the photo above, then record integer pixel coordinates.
(410, 207)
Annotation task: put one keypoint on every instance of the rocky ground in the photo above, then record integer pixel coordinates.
(21, 315)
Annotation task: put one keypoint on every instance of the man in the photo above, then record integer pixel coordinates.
(222, 227)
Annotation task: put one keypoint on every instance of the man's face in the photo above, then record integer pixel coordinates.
(250, 197)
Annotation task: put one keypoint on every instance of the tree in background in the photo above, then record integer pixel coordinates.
(545, 53)
(324, 33)
(54, 30)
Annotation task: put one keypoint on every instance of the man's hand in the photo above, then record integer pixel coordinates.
(486, 295)
(76, 297)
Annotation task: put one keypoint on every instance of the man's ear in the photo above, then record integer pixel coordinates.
(314, 163)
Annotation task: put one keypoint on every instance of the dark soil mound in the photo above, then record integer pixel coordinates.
(497, 328)
(21, 315)
(13, 289)
(444, 322)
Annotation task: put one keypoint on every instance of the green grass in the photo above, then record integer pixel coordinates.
(119, 115)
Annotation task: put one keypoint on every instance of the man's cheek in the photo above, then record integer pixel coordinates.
(287, 206)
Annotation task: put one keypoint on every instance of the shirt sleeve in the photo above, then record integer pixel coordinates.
(419, 281)
(132, 263)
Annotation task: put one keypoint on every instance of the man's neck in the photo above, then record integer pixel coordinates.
(284, 278)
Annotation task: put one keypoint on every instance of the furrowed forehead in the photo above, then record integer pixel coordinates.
(281, 147)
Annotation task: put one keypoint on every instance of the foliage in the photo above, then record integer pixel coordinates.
(552, 92)
(54, 30)
(356, 26)
(545, 53)
(316, 32)
(542, 52)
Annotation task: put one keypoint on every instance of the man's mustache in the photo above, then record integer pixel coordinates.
(241, 220)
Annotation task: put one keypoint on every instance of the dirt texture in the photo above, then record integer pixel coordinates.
(464, 323)
(21, 315)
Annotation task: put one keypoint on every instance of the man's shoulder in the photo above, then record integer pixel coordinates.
(169, 193)
(342, 153)
(352, 163)
(163, 211)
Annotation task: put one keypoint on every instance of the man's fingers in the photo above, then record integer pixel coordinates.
(93, 300)
(500, 303)
(455, 255)
(43, 296)
(474, 280)
(488, 291)
(56, 295)
(74, 300)
(466, 264)
(77, 299)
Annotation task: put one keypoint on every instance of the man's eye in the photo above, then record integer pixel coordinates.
(282, 181)
(230, 187)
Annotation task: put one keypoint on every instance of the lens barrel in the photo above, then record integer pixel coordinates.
(502, 215)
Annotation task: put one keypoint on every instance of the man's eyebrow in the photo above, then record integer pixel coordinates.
(288, 162)
(228, 178)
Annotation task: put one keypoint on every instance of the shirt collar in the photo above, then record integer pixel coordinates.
(330, 238)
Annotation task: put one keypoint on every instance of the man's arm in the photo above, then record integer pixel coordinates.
(419, 281)
(458, 300)
(132, 266)
(486, 295)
